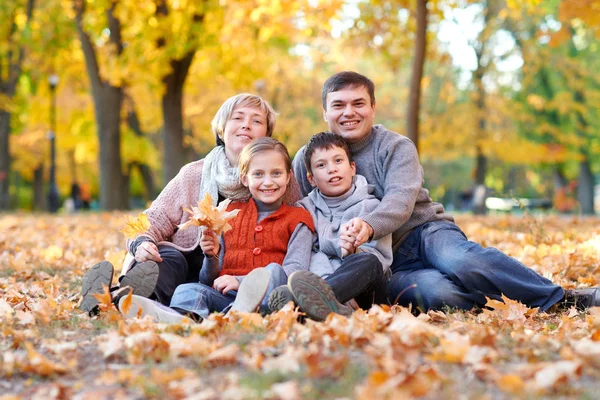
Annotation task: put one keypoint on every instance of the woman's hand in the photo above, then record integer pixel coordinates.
(147, 251)
(209, 243)
(226, 283)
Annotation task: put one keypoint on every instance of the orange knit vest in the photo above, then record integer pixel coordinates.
(249, 245)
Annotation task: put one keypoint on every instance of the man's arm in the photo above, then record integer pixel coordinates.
(300, 172)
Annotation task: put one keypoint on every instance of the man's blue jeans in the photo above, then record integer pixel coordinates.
(437, 266)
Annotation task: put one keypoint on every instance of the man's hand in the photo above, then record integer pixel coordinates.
(226, 283)
(356, 231)
(209, 243)
(147, 251)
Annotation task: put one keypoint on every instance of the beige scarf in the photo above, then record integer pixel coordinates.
(218, 176)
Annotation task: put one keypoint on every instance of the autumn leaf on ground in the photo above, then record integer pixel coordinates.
(214, 218)
(126, 304)
(135, 226)
(104, 298)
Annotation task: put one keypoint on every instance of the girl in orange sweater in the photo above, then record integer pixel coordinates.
(268, 241)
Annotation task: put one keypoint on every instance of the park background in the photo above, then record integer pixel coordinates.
(501, 94)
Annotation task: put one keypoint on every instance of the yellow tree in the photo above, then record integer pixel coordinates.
(14, 32)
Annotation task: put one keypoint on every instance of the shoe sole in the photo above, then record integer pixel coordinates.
(100, 274)
(252, 291)
(142, 306)
(142, 279)
(279, 298)
(314, 296)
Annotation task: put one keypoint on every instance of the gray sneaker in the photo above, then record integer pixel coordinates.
(252, 291)
(141, 279)
(314, 296)
(279, 297)
(100, 274)
(583, 298)
(142, 306)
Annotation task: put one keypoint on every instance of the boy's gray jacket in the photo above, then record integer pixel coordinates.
(327, 252)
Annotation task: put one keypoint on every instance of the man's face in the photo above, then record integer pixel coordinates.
(349, 113)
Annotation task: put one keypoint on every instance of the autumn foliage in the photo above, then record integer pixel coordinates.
(52, 350)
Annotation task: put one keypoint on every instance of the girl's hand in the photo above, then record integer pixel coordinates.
(226, 283)
(209, 243)
(147, 251)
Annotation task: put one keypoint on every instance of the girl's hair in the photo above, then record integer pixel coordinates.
(261, 145)
(241, 100)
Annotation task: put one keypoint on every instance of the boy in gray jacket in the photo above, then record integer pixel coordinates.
(338, 271)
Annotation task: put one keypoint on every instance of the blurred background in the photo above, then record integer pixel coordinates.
(102, 101)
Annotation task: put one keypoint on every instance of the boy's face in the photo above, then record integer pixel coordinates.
(332, 172)
(349, 113)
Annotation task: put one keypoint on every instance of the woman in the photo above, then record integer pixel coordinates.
(165, 257)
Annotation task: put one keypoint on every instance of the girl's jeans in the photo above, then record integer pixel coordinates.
(437, 266)
(203, 300)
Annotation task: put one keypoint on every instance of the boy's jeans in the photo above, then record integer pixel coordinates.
(203, 300)
(360, 277)
(437, 266)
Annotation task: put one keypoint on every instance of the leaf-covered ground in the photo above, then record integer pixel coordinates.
(50, 350)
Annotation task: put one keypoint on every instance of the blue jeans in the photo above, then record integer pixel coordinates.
(437, 266)
(202, 299)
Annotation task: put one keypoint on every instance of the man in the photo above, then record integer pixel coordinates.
(434, 263)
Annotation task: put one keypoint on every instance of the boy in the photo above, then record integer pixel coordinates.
(349, 272)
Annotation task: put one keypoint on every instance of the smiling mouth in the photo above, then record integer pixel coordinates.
(268, 191)
(349, 123)
(244, 137)
(335, 179)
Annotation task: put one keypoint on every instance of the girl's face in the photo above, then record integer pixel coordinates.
(267, 177)
(244, 124)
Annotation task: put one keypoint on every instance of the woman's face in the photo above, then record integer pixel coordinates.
(244, 125)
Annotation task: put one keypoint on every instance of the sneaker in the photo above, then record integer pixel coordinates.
(93, 281)
(142, 306)
(583, 298)
(279, 297)
(252, 291)
(141, 279)
(314, 296)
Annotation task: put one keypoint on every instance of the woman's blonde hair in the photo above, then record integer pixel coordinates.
(261, 145)
(242, 100)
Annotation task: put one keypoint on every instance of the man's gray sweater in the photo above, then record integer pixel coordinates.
(389, 161)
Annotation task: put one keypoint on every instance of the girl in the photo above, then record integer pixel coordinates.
(268, 241)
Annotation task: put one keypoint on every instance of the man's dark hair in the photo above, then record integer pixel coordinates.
(347, 79)
(324, 140)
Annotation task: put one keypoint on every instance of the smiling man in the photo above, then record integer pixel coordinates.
(434, 264)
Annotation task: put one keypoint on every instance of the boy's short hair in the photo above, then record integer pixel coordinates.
(347, 79)
(324, 140)
(237, 101)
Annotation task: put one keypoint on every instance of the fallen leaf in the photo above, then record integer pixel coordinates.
(213, 218)
(135, 226)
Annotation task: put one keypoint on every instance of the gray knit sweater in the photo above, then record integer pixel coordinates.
(388, 161)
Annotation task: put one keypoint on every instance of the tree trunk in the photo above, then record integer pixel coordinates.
(414, 99)
(114, 193)
(39, 197)
(585, 188)
(4, 160)
(133, 122)
(172, 105)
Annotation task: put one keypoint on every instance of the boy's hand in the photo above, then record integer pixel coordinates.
(226, 283)
(346, 243)
(356, 231)
(209, 243)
